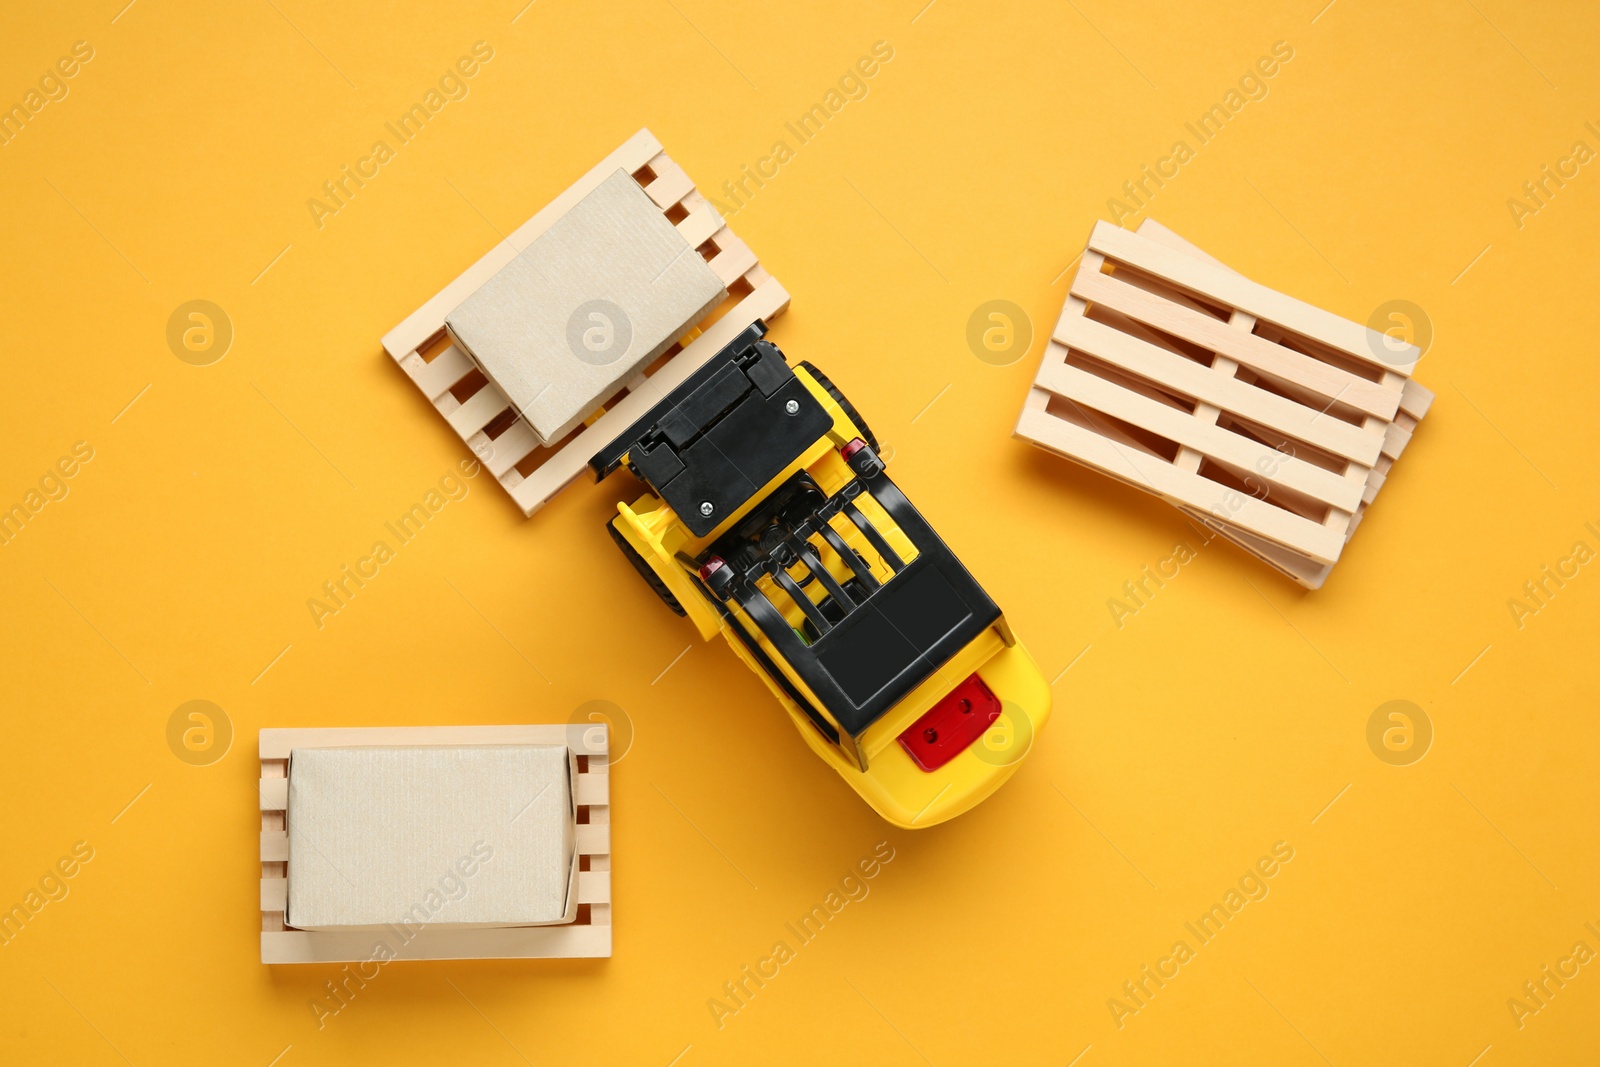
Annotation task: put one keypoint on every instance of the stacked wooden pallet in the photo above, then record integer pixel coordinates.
(1272, 421)
(479, 411)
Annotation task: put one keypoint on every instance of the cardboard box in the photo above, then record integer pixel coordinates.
(464, 836)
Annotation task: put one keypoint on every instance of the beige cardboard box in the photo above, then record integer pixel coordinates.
(457, 836)
(598, 296)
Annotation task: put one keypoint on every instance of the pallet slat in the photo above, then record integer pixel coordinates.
(479, 410)
(274, 846)
(434, 943)
(593, 788)
(278, 742)
(447, 368)
(274, 794)
(510, 448)
(734, 260)
(672, 183)
(701, 223)
(592, 839)
(594, 887)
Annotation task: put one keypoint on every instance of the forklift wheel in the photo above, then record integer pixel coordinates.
(651, 578)
(849, 408)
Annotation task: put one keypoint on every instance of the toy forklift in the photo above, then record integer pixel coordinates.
(771, 519)
(624, 325)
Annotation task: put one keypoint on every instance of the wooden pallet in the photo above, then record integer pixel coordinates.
(1266, 418)
(589, 936)
(479, 412)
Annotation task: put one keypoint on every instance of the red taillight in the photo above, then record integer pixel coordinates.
(951, 725)
(710, 567)
(852, 448)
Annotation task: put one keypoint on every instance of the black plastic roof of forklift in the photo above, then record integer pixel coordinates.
(722, 434)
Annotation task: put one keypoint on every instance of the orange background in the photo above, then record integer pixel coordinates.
(1225, 716)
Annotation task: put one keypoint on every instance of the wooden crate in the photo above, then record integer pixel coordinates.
(480, 414)
(1258, 414)
(589, 936)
